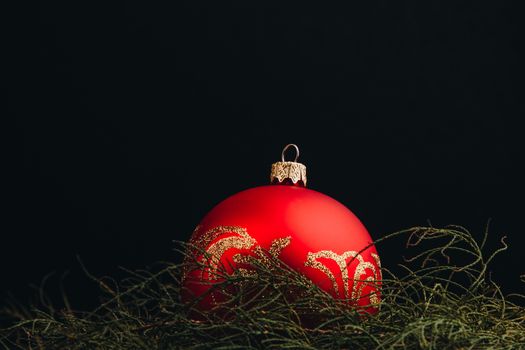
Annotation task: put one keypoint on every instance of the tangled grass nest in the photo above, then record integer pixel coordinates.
(439, 298)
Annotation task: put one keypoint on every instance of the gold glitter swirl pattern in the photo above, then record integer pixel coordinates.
(278, 245)
(359, 271)
(243, 259)
(374, 296)
(246, 273)
(206, 238)
(200, 242)
(261, 256)
(242, 241)
(238, 238)
(311, 261)
(379, 275)
(369, 281)
(340, 259)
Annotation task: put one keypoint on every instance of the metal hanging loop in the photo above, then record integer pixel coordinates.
(286, 148)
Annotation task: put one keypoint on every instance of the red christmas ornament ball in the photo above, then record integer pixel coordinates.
(310, 232)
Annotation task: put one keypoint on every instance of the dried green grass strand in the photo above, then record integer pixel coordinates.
(441, 298)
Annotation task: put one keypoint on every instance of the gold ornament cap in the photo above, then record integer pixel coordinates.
(288, 173)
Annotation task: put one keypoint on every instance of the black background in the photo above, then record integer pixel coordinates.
(133, 120)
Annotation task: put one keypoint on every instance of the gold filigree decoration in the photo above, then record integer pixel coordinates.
(261, 256)
(288, 170)
(242, 240)
(341, 260)
(374, 296)
(359, 271)
(239, 240)
(278, 245)
(202, 241)
(311, 261)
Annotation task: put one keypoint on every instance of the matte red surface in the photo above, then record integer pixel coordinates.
(314, 221)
